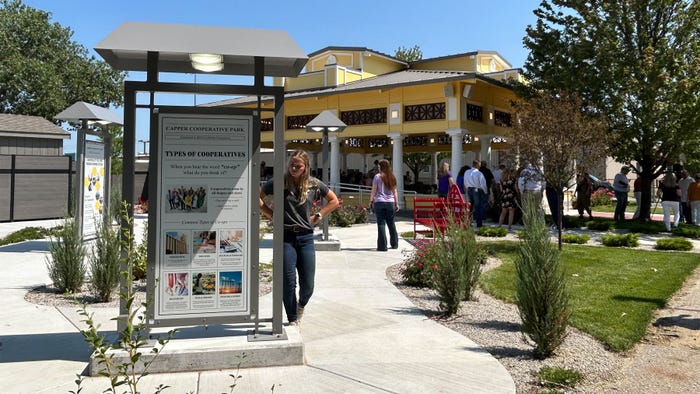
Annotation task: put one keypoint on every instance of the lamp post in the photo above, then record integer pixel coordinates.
(326, 122)
(85, 114)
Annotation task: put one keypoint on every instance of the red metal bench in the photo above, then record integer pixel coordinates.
(432, 213)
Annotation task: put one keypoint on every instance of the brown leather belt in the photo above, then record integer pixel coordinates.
(298, 230)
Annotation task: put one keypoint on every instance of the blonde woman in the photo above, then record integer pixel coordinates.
(300, 191)
(444, 179)
(385, 202)
(670, 194)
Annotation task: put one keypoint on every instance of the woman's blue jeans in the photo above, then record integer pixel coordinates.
(385, 217)
(299, 257)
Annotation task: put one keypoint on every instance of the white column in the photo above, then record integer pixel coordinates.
(434, 168)
(335, 161)
(457, 138)
(485, 141)
(397, 163)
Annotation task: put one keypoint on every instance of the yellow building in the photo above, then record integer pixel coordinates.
(457, 103)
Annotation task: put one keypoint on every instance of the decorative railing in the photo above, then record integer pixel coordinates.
(267, 124)
(353, 142)
(415, 141)
(433, 111)
(299, 121)
(377, 142)
(502, 119)
(475, 112)
(364, 116)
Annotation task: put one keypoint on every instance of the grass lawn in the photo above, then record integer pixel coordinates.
(630, 209)
(614, 291)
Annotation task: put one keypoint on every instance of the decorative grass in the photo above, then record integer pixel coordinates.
(614, 292)
(557, 377)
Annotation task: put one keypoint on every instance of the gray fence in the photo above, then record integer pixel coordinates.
(34, 187)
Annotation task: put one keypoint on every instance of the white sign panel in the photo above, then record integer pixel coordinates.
(203, 262)
(93, 187)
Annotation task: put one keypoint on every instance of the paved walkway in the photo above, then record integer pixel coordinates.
(361, 335)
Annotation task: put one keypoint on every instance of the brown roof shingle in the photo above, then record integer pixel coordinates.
(10, 123)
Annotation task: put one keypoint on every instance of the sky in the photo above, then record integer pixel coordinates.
(438, 27)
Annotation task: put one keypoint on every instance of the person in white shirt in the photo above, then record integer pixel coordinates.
(684, 182)
(531, 181)
(477, 190)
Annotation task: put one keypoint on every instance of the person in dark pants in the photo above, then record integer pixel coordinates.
(621, 186)
(385, 200)
(300, 191)
(553, 201)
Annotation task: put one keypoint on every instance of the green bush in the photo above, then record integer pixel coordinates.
(599, 225)
(25, 234)
(491, 232)
(345, 215)
(575, 239)
(104, 262)
(419, 264)
(630, 240)
(458, 258)
(65, 260)
(542, 298)
(635, 226)
(601, 197)
(673, 244)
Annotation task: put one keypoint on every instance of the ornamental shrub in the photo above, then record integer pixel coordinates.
(575, 238)
(673, 244)
(458, 260)
(104, 262)
(630, 240)
(419, 264)
(65, 260)
(601, 197)
(492, 232)
(542, 298)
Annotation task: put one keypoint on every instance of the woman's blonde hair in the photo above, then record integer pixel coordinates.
(387, 174)
(305, 181)
(444, 169)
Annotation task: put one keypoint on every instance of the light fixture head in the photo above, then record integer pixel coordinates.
(317, 128)
(207, 62)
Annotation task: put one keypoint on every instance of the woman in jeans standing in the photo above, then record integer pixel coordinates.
(300, 191)
(385, 201)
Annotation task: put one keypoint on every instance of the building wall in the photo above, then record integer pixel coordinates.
(31, 146)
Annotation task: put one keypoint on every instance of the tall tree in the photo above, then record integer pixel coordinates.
(409, 54)
(637, 62)
(558, 130)
(42, 71)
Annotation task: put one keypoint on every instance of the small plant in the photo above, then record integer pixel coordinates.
(65, 260)
(673, 244)
(555, 377)
(601, 197)
(491, 232)
(575, 238)
(542, 299)
(419, 264)
(687, 231)
(458, 258)
(599, 225)
(630, 240)
(133, 338)
(104, 262)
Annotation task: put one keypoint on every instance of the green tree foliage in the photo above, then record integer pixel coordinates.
(560, 130)
(104, 262)
(409, 54)
(541, 284)
(637, 62)
(42, 71)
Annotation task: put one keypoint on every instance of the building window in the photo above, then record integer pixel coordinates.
(364, 116)
(424, 112)
(267, 124)
(475, 112)
(502, 119)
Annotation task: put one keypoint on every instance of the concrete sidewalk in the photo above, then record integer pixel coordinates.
(360, 335)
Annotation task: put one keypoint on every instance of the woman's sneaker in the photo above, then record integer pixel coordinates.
(300, 313)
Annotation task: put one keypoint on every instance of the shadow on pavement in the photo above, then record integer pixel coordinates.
(27, 246)
(69, 346)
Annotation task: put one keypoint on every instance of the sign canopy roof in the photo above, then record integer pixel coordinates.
(127, 47)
